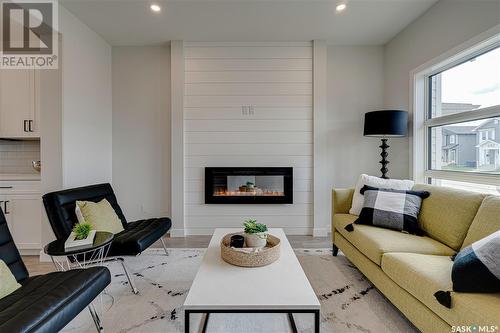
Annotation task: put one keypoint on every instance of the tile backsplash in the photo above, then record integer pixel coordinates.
(16, 156)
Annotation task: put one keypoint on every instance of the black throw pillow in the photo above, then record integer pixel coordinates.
(476, 269)
(391, 209)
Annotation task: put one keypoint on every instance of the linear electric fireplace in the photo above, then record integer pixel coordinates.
(249, 185)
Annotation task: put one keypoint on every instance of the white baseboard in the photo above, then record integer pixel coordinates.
(44, 257)
(29, 252)
(320, 232)
(177, 233)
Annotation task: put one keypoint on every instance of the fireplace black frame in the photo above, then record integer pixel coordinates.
(286, 172)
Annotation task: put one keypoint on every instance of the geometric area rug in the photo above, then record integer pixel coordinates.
(349, 302)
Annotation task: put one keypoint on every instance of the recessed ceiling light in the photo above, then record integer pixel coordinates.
(155, 8)
(341, 7)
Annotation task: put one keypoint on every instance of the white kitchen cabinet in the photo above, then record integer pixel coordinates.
(19, 110)
(22, 207)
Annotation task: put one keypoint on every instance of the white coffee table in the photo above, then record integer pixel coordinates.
(220, 287)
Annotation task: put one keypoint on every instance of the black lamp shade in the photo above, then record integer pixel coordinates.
(386, 123)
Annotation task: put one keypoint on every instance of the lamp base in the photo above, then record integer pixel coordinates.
(384, 160)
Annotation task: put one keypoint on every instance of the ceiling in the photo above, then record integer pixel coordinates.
(131, 22)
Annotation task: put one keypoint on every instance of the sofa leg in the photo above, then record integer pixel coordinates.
(130, 281)
(95, 317)
(335, 250)
(164, 246)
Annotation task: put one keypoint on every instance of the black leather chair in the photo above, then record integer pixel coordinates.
(46, 303)
(137, 236)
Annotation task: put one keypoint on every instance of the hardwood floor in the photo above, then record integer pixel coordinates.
(35, 267)
(202, 241)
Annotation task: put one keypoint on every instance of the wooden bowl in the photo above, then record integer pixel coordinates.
(264, 257)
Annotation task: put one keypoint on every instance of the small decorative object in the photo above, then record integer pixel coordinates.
(81, 237)
(237, 241)
(391, 209)
(250, 185)
(255, 233)
(82, 230)
(37, 165)
(384, 124)
(250, 257)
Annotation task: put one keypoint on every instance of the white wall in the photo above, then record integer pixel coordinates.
(274, 78)
(86, 103)
(355, 86)
(444, 26)
(141, 130)
(76, 109)
(50, 138)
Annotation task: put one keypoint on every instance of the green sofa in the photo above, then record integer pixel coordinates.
(409, 269)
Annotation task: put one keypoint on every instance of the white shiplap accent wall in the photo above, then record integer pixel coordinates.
(275, 80)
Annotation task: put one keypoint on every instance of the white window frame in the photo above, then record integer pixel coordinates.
(419, 96)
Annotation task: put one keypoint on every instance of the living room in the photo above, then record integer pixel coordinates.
(250, 166)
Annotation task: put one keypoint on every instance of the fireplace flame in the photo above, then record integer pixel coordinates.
(269, 193)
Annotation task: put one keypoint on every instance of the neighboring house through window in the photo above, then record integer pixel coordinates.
(456, 138)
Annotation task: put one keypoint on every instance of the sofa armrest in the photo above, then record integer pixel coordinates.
(342, 200)
(341, 203)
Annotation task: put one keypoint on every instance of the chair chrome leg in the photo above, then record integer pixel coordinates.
(95, 317)
(164, 246)
(130, 281)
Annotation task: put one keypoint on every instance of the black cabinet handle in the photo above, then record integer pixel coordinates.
(26, 126)
(2, 187)
(30, 125)
(6, 210)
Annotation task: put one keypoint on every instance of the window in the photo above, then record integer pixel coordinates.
(457, 117)
(483, 135)
(470, 86)
(475, 187)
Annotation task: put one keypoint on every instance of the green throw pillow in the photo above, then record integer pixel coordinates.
(101, 215)
(8, 283)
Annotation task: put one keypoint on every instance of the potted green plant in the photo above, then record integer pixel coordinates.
(82, 230)
(255, 234)
(81, 237)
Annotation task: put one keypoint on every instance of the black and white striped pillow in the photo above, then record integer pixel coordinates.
(391, 209)
(476, 269)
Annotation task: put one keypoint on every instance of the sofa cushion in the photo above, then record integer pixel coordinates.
(374, 242)
(422, 275)
(8, 282)
(46, 303)
(101, 215)
(358, 199)
(477, 267)
(448, 213)
(486, 221)
(391, 209)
